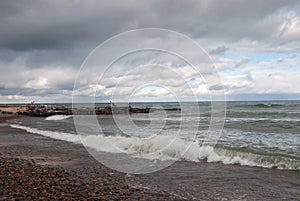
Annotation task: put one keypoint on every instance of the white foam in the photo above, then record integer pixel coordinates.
(166, 147)
(58, 117)
(52, 134)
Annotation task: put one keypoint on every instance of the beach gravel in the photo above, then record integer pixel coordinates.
(34, 167)
(22, 180)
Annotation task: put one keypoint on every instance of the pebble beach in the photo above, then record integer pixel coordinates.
(39, 168)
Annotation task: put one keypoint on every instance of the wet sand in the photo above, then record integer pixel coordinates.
(5, 117)
(34, 166)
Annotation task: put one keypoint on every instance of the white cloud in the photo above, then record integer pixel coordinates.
(38, 83)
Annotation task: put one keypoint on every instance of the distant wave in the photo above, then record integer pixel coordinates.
(155, 148)
(263, 105)
(57, 117)
(263, 119)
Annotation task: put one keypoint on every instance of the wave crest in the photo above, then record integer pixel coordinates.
(58, 117)
(178, 149)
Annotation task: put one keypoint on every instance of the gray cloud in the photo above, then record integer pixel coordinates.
(219, 50)
(43, 43)
(216, 87)
(58, 24)
(62, 24)
(242, 62)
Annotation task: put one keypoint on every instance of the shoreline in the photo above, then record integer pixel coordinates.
(5, 117)
(20, 150)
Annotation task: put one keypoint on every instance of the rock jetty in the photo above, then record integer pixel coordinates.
(39, 110)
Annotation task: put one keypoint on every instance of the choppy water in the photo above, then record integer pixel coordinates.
(264, 134)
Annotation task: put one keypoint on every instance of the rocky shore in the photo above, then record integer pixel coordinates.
(23, 180)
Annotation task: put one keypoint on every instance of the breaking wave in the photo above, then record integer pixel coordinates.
(168, 147)
(58, 117)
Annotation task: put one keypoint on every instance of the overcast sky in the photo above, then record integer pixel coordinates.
(255, 46)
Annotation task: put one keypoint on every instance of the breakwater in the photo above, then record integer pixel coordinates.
(39, 110)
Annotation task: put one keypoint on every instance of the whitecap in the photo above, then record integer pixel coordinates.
(168, 147)
(58, 117)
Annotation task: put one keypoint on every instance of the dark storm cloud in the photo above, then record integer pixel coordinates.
(27, 25)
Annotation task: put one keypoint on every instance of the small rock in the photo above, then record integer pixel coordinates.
(110, 174)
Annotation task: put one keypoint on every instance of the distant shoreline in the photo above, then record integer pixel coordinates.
(138, 102)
